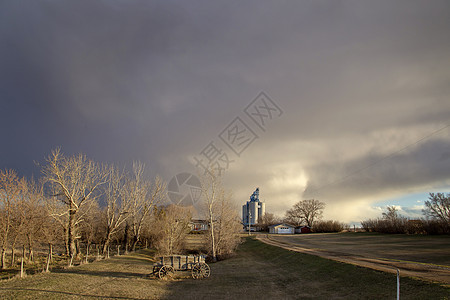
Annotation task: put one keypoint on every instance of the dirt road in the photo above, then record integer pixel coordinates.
(425, 271)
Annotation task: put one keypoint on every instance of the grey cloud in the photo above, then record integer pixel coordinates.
(157, 81)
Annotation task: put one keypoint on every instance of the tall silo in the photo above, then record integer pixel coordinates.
(262, 210)
(253, 212)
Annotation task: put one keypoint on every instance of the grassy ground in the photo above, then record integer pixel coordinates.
(419, 248)
(257, 271)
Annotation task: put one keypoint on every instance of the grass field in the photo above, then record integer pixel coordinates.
(432, 249)
(257, 271)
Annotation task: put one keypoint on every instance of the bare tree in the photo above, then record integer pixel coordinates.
(438, 207)
(118, 204)
(92, 229)
(391, 214)
(33, 210)
(223, 220)
(170, 227)
(142, 195)
(58, 212)
(10, 190)
(227, 225)
(305, 211)
(76, 181)
(266, 220)
(212, 190)
(18, 218)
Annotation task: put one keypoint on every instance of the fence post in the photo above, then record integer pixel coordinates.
(398, 284)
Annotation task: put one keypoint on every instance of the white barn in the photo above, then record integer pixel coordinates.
(282, 228)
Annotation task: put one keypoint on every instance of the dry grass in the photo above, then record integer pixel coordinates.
(258, 271)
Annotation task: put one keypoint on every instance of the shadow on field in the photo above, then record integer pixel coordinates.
(62, 293)
(128, 269)
(101, 273)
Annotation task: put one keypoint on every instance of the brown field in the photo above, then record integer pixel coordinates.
(423, 256)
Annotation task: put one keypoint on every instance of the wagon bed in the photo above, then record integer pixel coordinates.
(167, 265)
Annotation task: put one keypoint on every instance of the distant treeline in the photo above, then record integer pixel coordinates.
(437, 221)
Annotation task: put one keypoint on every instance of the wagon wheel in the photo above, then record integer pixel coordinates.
(200, 270)
(155, 270)
(166, 271)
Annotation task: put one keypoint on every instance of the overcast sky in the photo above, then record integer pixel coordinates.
(358, 91)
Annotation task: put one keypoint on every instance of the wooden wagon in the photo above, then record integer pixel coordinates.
(167, 265)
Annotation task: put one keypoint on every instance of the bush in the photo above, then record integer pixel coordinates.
(404, 225)
(329, 226)
(386, 226)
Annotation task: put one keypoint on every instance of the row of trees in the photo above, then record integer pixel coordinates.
(78, 200)
(309, 213)
(304, 213)
(436, 221)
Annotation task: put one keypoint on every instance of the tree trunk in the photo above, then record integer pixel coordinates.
(135, 241)
(49, 257)
(71, 260)
(66, 241)
(12, 256)
(30, 248)
(71, 233)
(21, 269)
(77, 248)
(213, 244)
(125, 236)
(87, 251)
(107, 241)
(3, 262)
(105, 246)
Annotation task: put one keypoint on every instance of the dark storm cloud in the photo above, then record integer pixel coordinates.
(158, 80)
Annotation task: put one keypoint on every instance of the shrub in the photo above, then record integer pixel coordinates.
(329, 226)
(404, 225)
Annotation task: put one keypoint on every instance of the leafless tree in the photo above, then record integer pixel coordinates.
(305, 212)
(266, 220)
(76, 181)
(33, 210)
(227, 225)
(10, 190)
(391, 214)
(142, 196)
(170, 227)
(118, 204)
(223, 221)
(58, 229)
(18, 218)
(438, 207)
(212, 190)
(92, 230)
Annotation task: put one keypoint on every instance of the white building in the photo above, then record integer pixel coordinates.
(253, 210)
(282, 228)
